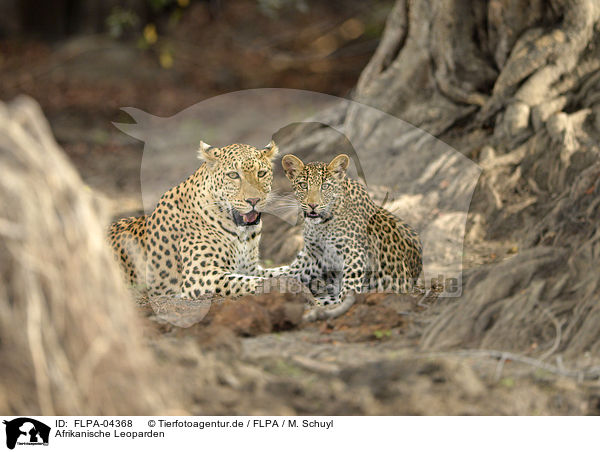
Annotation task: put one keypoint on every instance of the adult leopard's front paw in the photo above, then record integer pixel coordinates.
(282, 284)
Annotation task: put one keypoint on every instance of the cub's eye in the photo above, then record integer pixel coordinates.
(233, 175)
(262, 173)
(303, 185)
(326, 186)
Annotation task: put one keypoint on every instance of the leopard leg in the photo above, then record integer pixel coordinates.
(303, 269)
(213, 280)
(351, 283)
(273, 272)
(323, 313)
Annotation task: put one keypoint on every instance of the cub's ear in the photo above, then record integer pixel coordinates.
(292, 166)
(339, 165)
(271, 150)
(208, 153)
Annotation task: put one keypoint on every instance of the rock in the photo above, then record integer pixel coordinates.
(285, 310)
(258, 314)
(243, 316)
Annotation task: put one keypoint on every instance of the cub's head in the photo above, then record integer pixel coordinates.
(316, 185)
(241, 177)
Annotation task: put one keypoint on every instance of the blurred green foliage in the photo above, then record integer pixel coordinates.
(149, 26)
(120, 20)
(382, 334)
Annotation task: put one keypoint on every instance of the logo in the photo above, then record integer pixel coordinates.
(26, 431)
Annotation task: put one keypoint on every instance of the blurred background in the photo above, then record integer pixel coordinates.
(82, 61)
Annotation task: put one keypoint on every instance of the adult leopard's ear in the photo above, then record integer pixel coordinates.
(208, 153)
(292, 166)
(339, 165)
(271, 150)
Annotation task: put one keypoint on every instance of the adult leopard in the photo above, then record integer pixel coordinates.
(203, 236)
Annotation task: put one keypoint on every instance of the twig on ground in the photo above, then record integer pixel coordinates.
(590, 374)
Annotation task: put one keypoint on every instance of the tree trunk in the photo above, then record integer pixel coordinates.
(509, 64)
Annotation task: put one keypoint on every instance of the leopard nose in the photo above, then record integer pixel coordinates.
(252, 201)
(312, 206)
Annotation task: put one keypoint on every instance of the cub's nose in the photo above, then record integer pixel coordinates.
(312, 206)
(252, 201)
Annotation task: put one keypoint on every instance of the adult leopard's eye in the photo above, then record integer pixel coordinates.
(262, 173)
(325, 186)
(303, 185)
(233, 175)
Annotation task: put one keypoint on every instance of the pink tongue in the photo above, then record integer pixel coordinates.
(250, 217)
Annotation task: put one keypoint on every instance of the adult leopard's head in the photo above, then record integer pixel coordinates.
(241, 177)
(316, 185)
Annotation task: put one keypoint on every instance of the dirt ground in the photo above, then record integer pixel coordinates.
(370, 361)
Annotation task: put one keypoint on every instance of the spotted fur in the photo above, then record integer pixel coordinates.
(350, 243)
(203, 235)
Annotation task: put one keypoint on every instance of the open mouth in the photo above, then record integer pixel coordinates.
(311, 214)
(247, 219)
